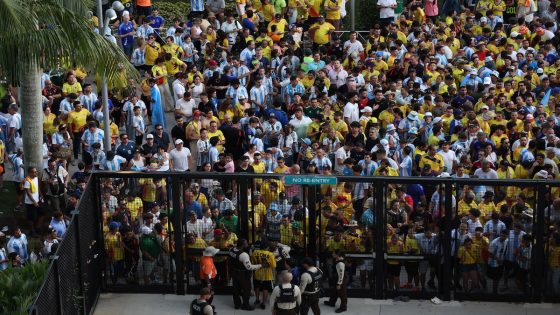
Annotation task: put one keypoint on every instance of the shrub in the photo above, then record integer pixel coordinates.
(19, 287)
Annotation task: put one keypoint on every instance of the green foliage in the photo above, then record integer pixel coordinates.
(170, 9)
(19, 287)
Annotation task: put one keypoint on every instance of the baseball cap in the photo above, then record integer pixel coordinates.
(178, 141)
(150, 136)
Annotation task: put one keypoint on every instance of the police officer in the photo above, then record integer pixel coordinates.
(286, 297)
(341, 277)
(310, 287)
(201, 306)
(242, 271)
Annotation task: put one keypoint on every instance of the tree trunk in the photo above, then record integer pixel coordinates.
(32, 117)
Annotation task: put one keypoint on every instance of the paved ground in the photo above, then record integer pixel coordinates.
(140, 304)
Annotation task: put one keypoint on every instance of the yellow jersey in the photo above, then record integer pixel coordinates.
(261, 256)
(77, 119)
(75, 88)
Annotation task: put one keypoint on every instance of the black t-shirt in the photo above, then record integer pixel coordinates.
(179, 132)
(234, 141)
(357, 155)
(162, 141)
(353, 141)
(239, 169)
(146, 149)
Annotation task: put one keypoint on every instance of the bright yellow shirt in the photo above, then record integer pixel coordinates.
(261, 256)
(77, 119)
(71, 88)
(321, 35)
(48, 124)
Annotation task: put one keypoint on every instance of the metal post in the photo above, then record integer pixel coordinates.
(352, 15)
(380, 232)
(177, 219)
(312, 207)
(104, 92)
(538, 249)
(58, 300)
(79, 267)
(447, 274)
(244, 192)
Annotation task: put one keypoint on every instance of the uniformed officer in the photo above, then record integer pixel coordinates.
(310, 287)
(201, 306)
(341, 277)
(242, 272)
(286, 297)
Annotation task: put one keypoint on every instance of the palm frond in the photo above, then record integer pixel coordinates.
(60, 37)
(12, 16)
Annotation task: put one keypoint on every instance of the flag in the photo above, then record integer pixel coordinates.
(544, 101)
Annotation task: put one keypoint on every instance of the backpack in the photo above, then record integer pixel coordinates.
(57, 188)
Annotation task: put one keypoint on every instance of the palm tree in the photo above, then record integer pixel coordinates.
(43, 34)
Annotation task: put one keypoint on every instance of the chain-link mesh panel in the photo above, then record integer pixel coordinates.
(48, 300)
(69, 272)
(90, 247)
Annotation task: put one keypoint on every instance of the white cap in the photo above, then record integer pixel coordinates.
(150, 136)
(125, 13)
(483, 20)
(484, 107)
(428, 114)
(390, 127)
(473, 72)
(514, 34)
(367, 109)
(178, 141)
(540, 71)
(487, 80)
(437, 120)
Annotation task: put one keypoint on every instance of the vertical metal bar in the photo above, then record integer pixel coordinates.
(176, 191)
(98, 225)
(243, 184)
(312, 206)
(352, 15)
(445, 285)
(538, 249)
(78, 257)
(380, 231)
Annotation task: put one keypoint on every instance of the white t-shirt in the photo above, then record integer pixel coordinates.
(448, 158)
(34, 194)
(180, 159)
(386, 12)
(353, 47)
(185, 106)
(340, 154)
(178, 90)
(352, 112)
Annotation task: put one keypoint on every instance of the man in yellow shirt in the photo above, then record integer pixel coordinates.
(433, 159)
(264, 276)
(77, 120)
(280, 24)
(333, 8)
(153, 49)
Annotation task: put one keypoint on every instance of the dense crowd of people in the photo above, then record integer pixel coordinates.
(468, 90)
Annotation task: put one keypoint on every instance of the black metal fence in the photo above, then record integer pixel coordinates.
(401, 236)
(73, 282)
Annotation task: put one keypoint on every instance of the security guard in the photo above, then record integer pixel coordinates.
(286, 297)
(341, 277)
(310, 287)
(201, 306)
(242, 271)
